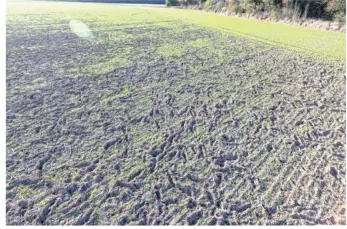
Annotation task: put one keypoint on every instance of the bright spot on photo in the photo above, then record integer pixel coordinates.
(80, 29)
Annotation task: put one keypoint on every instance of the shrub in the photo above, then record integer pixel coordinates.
(172, 2)
(325, 9)
(215, 3)
(239, 10)
(336, 5)
(272, 4)
(208, 3)
(229, 2)
(253, 6)
(188, 2)
(219, 5)
(275, 13)
(336, 9)
(340, 17)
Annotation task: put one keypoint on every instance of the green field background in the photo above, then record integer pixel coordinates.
(325, 45)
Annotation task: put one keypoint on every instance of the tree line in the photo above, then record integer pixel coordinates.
(323, 9)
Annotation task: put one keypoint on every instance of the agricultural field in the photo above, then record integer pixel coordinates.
(161, 116)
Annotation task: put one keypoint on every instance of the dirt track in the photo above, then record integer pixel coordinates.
(223, 131)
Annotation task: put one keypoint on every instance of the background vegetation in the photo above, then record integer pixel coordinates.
(295, 9)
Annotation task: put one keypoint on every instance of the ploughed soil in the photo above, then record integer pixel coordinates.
(168, 123)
